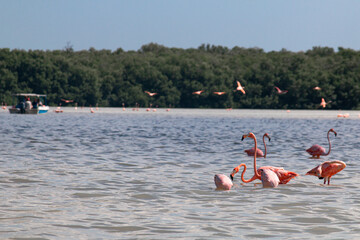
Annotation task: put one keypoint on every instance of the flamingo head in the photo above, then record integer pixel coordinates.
(267, 135)
(235, 171)
(316, 171)
(250, 135)
(332, 130)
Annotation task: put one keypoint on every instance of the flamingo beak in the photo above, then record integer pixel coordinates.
(232, 177)
(243, 137)
(335, 133)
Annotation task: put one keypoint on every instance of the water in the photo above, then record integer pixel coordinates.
(149, 175)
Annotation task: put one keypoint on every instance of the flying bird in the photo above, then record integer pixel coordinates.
(67, 101)
(259, 153)
(279, 91)
(219, 93)
(316, 150)
(150, 93)
(323, 103)
(198, 92)
(327, 169)
(317, 88)
(239, 87)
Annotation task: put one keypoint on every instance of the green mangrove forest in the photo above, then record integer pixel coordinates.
(113, 78)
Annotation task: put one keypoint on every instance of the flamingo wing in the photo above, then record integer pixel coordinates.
(331, 168)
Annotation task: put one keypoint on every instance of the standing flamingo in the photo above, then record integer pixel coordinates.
(327, 169)
(316, 150)
(222, 182)
(239, 87)
(279, 91)
(283, 175)
(259, 153)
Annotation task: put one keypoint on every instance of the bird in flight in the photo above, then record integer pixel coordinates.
(323, 103)
(150, 93)
(198, 92)
(317, 88)
(239, 87)
(67, 101)
(279, 91)
(219, 93)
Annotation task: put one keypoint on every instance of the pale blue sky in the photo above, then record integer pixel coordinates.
(296, 25)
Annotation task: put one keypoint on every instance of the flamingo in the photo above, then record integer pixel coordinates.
(92, 110)
(150, 93)
(269, 178)
(67, 101)
(198, 92)
(327, 169)
(222, 182)
(283, 175)
(317, 150)
(317, 88)
(239, 87)
(323, 103)
(219, 93)
(279, 91)
(259, 153)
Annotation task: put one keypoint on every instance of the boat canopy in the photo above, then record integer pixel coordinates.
(29, 95)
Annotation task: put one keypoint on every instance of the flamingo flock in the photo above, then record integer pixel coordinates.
(271, 176)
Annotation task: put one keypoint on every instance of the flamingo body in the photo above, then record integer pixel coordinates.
(222, 182)
(150, 93)
(251, 152)
(198, 92)
(239, 87)
(279, 91)
(219, 93)
(316, 150)
(327, 169)
(269, 179)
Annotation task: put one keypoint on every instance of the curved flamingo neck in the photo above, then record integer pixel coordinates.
(328, 137)
(243, 172)
(255, 168)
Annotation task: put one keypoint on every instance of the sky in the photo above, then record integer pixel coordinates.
(273, 25)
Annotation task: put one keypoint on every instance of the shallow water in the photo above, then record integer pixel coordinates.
(149, 175)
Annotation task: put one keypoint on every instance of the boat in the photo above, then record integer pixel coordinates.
(29, 103)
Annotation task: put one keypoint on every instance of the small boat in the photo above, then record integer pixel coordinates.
(29, 103)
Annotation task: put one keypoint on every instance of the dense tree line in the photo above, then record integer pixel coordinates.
(111, 78)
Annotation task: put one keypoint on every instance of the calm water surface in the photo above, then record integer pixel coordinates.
(149, 175)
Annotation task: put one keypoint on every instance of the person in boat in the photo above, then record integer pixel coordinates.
(35, 103)
(28, 104)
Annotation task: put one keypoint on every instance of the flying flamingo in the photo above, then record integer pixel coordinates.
(323, 103)
(219, 93)
(317, 88)
(67, 101)
(327, 169)
(283, 175)
(259, 153)
(316, 150)
(279, 91)
(150, 93)
(222, 182)
(239, 87)
(198, 92)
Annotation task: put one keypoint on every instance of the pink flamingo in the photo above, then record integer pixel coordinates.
(283, 175)
(279, 91)
(150, 93)
(269, 178)
(198, 92)
(317, 88)
(239, 87)
(222, 182)
(327, 169)
(219, 93)
(323, 103)
(67, 101)
(316, 150)
(259, 153)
